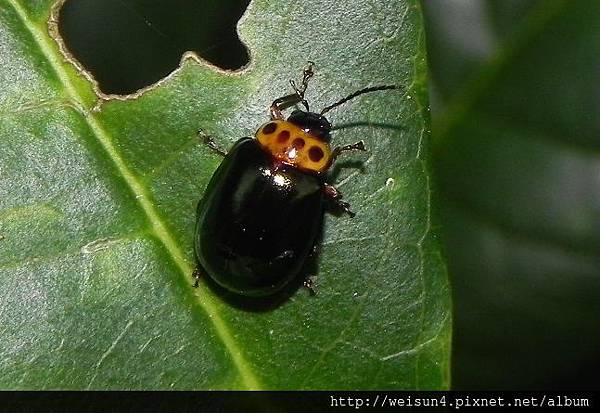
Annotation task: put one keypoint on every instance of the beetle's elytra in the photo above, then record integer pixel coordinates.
(263, 208)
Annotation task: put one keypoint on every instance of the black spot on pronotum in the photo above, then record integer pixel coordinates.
(131, 44)
(269, 128)
(315, 154)
(298, 143)
(283, 136)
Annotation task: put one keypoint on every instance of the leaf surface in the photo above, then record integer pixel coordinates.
(97, 214)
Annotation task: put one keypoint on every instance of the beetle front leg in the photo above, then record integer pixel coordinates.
(288, 101)
(335, 196)
(357, 146)
(210, 142)
(283, 103)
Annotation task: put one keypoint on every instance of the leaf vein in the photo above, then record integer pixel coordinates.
(158, 226)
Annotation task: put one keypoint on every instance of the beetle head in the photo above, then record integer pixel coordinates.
(315, 124)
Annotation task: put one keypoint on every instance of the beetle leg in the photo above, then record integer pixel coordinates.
(283, 103)
(197, 274)
(309, 284)
(358, 146)
(210, 142)
(335, 196)
(287, 101)
(316, 250)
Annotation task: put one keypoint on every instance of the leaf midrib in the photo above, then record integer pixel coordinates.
(158, 227)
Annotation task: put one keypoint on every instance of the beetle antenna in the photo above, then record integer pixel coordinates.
(306, 76)
(357, 93)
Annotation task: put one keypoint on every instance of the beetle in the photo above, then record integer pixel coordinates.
(263, 208)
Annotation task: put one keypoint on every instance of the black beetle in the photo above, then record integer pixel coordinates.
(263, 208)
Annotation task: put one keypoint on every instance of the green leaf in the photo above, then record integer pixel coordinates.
(517, 161)
(98, 207)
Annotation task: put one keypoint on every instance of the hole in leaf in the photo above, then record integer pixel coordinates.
(131, 44)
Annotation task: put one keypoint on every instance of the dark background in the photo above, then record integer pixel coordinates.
(130, 44)
(515, 96)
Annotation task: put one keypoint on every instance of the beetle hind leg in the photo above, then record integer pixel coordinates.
(210, 142)
(309, 284)
(197, 274)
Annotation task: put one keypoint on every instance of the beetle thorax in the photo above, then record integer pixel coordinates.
(294, 146)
